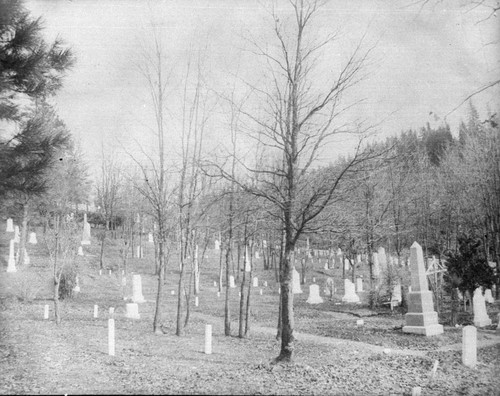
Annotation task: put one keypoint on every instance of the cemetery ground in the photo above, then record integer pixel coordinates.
(332, 355)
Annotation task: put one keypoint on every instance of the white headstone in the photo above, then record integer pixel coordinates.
(217, 245)
(257, 255)
(260, 292)
(382, 258)
(247, 260)
(376, 266)
(469, 346)
(139, 252)
(215, 284)
(208, 339)
(11, 263)
(396, 293)
(137, 296)
(17, 234)
(359, 284)
(296, 282)
(347, 266)
(111, 312)
(350, 295)
(150, 238)
(111, 337)
(109, 272)
(218, 294)
(96, 311)
(100, 272)
(10, 225)
(326, 265)
(80, 251)
(132, 311)
(231, 281)
(488, 296)
(32, 239)
(172, 292)
(481, 317)
(255, 282)
(86, 231)
(46, 312)
(76, 289)
(314, 297)
(196, 301)
(360, 322)
(265, 283)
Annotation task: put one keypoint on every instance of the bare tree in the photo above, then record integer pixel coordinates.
(297, 122)
(154, 186)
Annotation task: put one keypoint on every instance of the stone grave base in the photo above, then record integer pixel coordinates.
(430, 330)
(482, 323)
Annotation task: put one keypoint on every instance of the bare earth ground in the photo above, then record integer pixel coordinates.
(332, 355)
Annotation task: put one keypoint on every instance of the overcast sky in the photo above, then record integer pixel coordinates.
(425, 59)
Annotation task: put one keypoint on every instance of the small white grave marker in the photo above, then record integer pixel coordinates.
(218, 294)
(109, 272)
(360, 323)
(172, 292)
(10, 225)
(215, 284)
(434, 368)
(32, 239)
(100, 272)
(260, 292)
(46, 312)
(196, 301)
(314, 297)
(231, 281)
(208, 339)
(137, 296)
(96, 311)
(255, 282)
(111, 312)
(469, 346)
(11, 264)
(132, 311)
(111, 337)
(80, 252)
(265, 283)
(416, 391)
(17, 234)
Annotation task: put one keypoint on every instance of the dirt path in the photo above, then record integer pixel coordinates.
(489, 340)
(355, 345)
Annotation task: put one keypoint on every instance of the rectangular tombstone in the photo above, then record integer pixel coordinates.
(10, 225)
(33, 239)
(359, 284)
(137, 296)
(96, 311)
(208, 339)
(111, 337)
(132, 311)
(46, 312)
(11, 263)
(469, 346)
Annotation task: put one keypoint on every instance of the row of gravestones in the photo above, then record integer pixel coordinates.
(13, 253)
